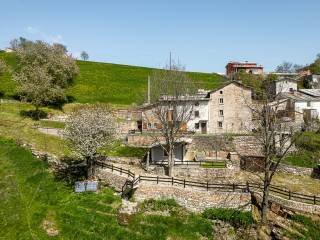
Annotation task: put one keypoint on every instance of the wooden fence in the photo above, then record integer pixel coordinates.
(223, 187)
(204, 163)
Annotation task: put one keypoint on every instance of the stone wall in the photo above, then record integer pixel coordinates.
(193, 200)
(121, 160)
(294, 170)
(292, 205)
(140, 140)
(113, 180)
(203, 174)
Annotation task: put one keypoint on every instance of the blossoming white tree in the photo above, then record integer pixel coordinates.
(89, 128)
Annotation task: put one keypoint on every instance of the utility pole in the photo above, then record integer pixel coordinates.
(148, 89)
(170, 61)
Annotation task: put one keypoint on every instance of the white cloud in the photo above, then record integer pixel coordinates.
(40, 35)
(31, 30)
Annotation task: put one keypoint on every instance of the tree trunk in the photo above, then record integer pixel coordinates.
(148, 159)
(170, 162)
(265, 202)
(90, 168)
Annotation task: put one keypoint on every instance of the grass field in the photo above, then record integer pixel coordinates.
(34, 204)
(110, 83)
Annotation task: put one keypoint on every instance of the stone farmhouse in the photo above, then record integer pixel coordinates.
(223, 110)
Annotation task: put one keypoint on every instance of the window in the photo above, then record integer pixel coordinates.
(221, 112)
(196, 125)
(220, 124)
(196, 113)
(308, 104)
(221, 92)
(196, 104)
(221, 100)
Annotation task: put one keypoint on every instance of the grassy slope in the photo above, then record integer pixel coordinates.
(30, 195)
(112, 83)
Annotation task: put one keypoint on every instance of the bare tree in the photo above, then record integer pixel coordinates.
(171, 96)
(84, 56)
(89, 128)
(276, 137)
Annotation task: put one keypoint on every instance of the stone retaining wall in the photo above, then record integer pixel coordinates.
(113, 180)
(294, 170)
(193, 200)
(203, 174)
(278, 203)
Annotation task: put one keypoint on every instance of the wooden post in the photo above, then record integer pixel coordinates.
(207, 186)
(233, 187)
(157, 179)
(289, 194)
(121, 171)
(112, 168)
(314, 199)
(172, 181)
(248, 187)
(184, 183)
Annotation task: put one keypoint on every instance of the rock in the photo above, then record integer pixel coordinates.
(126, 212)
(50, 227)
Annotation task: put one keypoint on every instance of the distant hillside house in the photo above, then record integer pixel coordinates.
(223, 110)
(234, 67)
(283, 85)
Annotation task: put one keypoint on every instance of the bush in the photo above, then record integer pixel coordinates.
(160, 205)
(310, 229)
(234, 217)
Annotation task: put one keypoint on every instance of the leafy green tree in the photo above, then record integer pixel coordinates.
(44, 72)
(84, 56)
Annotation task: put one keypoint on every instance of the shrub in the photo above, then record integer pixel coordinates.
(310, 229)
(234, 217)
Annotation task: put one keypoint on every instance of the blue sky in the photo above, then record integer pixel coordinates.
(204, 35)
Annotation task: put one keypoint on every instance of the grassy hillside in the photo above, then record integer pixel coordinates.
(106, 82)
(35, 205)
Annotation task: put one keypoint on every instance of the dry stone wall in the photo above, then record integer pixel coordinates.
(113, 180)
(294, 170)
(203, 174)
(192, 199)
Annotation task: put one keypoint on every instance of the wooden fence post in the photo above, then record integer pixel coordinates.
(314, 199)
(172, 181)
(112, 168)
(157, 179)
(121, 171)
(248, 187)
(233, 187)
(289, 194)
(184, 183)
(207, 186)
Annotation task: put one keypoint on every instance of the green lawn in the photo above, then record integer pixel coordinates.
(34, 203)
(308, 153)
(111, 83)
(51, 124)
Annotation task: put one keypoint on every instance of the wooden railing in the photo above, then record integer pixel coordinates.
(205, 163)
(222, 187)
